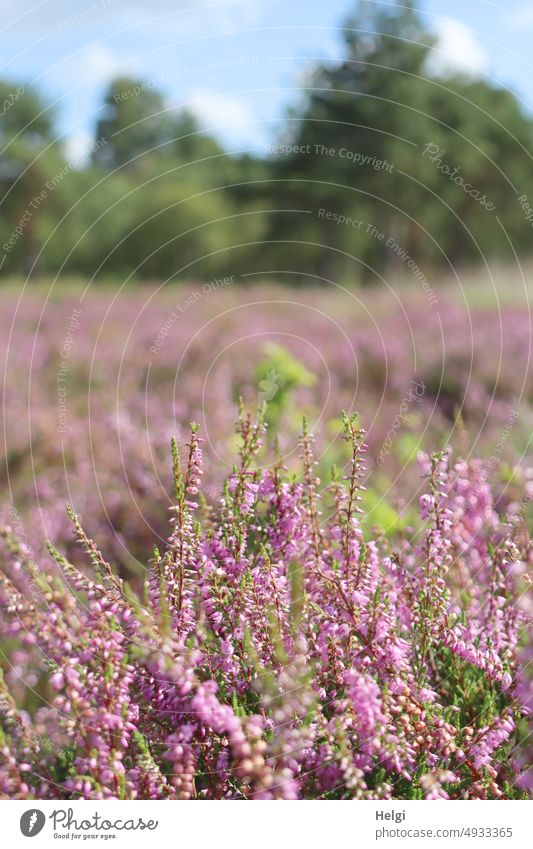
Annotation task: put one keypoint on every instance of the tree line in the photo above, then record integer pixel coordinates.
(381, 151)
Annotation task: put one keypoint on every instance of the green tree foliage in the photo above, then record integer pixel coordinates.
(381, 104)
(135, 122)
(28, 157)
(23, 114)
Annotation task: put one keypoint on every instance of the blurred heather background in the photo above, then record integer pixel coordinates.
(319, 206)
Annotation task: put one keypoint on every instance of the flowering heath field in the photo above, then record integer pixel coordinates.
(328, 612)
(95, 385)
(275, 650)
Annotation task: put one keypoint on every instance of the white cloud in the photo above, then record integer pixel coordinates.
(229, 113)
(98, 63)
(78, 146)
(457, 50)
(213, 108)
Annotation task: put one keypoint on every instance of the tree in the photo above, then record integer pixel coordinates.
(360, 150)
(24, 113)
(29, 156)
(135, 122)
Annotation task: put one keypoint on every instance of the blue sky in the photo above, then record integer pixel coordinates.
(237, 63)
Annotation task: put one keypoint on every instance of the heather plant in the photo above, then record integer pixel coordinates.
(276, 650)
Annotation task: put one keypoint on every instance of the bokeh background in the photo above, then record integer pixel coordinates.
(315, 206)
